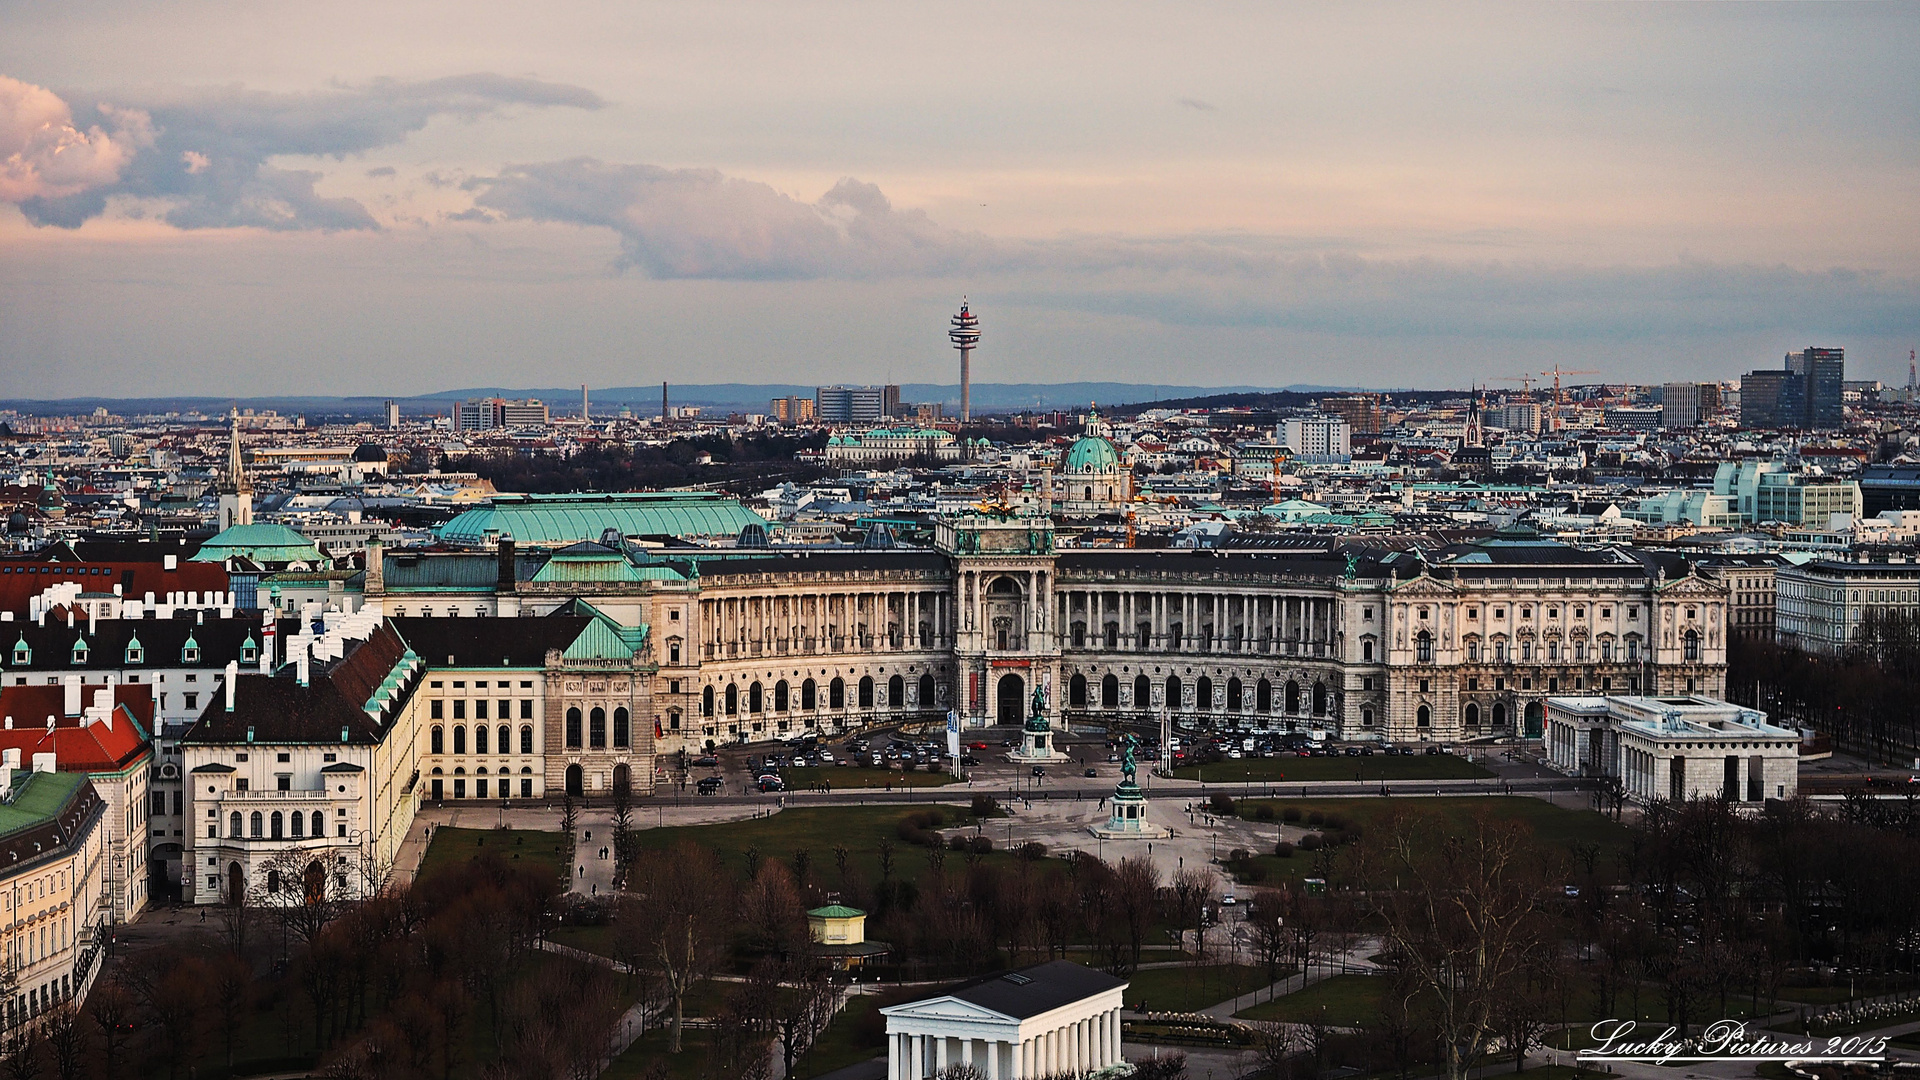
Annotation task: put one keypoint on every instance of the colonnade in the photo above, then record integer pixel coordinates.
(1078, 1046)
(1197, 620)
(780, 622)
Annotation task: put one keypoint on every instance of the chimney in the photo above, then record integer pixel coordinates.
(300, 664)
(170, 562)
(43, 762)
(506, 578)
(102, 710)
(93, 612)
(9, 721)
(69, 616)
(72, 684)
(233, 676)
(376, 579)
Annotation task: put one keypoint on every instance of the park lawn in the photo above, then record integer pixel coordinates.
(1191, 987)
(817, 830)
(689, 1064)
(1556, 828)
(544, 851)
(810, 777)
(593, 939)
(847, 1041)
(1298, 770)
(1342, 1001)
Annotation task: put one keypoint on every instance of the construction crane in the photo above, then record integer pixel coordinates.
(1525, 381)
(1557, 401)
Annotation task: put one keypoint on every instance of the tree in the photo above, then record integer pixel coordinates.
(771, 911)
(1189, 892)
(66, 1040)
(622, 820)
(682, 906)
(1137, 886)
(112, 1008)
(1267, 922)
(1465, 913)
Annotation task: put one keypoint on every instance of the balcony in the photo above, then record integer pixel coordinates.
(272, 795)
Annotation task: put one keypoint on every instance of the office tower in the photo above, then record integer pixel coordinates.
(849, 404)
(1804, 393)
(793, 411)
(1682, 405)
(889, 401)
(1318, 436)
(393, 414)
(1361, 411)
(965, 335)
(531, 413)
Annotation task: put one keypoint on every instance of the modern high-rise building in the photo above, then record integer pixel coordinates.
(393, 415)
(485, 414)
(1805, 393)
(1318, 436)
(793, 411)
(1360, 411)
(852, 404)
(1682, 405)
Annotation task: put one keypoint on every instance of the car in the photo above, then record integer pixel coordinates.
(1366, 751)
(706, 762)
(1091, 772)
(1434, 751)
(769, 784)
(826, 756)
(1353, 751)
(1228, 900)
(708, 785)
(969, 759)
(977, 746)
(876, 759)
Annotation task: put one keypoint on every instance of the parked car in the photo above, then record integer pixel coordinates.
(1091, 771)
(706, 762)
(708, 785)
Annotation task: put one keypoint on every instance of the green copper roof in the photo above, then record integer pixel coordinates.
(262, 542)
(37, 797)
(1092, 454)
(558, 520)
(836, 911)
(605, 565)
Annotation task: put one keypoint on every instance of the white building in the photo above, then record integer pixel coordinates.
(1318, 436)
(1674, 748)
(1058, 1017)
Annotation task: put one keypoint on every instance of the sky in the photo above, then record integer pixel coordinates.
(391, 198)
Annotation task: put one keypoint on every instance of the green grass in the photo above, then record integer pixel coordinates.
(1343, 1001)
(808, 777)
(1296, 770)
(1555, 828)
(544, 851)
(593, 939)
(1191, 988)
(846, 1041)
(689, 1064)
(818, 830)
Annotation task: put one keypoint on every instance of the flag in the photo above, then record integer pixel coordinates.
(953, 733)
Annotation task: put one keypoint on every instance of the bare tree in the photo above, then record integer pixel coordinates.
(1465, 913)
(683, 908)
(1137, 885)
(111, 1006)
(1189, 892)
(66, 1040)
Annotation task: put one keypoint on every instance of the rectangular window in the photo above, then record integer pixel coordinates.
(435, 710)
(526, 708)
(240, 784)
(459, 708)
(480, 709)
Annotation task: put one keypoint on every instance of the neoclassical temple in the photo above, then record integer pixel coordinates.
(1453, 643)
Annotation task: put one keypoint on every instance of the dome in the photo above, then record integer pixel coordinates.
(1092, 454)
(263, 542)
(370, 452)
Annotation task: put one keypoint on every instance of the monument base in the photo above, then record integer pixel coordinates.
(1128, 820)
(1037, 747)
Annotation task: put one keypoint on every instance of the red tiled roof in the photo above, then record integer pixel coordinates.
(77, 746)
(21, 579)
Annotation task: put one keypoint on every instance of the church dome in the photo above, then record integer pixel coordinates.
(1092, 454)
(370, 452)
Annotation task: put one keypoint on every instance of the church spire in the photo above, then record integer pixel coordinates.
(236, 495)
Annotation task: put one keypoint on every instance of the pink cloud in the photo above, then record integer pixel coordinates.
(43, 155)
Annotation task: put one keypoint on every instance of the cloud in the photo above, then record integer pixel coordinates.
(43, 155)
(383, 170)
(698, 223)
(211, 147)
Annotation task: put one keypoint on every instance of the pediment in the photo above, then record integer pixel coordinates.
(1424, 586)
(1691, 586)
(946, 1008)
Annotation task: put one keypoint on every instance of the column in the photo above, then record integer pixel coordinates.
(993, 1059)
(1024, 1067)
(902, 1065)
(918, 1057)
(966, 1051)
(1113, 1033)
(940, 1059)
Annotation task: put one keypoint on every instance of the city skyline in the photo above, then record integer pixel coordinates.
(1365, 196)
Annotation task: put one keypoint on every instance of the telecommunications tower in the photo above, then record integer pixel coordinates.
(965, 335)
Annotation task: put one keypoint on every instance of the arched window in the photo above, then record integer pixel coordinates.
(622, 728)
(1423, 647)
(460, 739)
(927, 693)
(1471, 715)
(756, 698)
(1263, 696)
(733, 699)
(1423, 718)
(866, 691)
(299, 824)
(1293, 698)
(480, 739)
(1174, 700)
(1526, 650)
(837, 693)
(597, 728)
(233, 825)
(437, 739)
(573, 728)
(1319, 699)
(276, 826)
(1077, 691)
(1203, 693)
(526, 739)
(897, 692)
(782, 699)
(1690, 645)
(809, 695)
(1112, 632)
(706, 702)
(254, 824)
(319, 824)
(1110, 691)
(1499, 715)
(1142, 692)
(1077, 635)
(1236, 695)
(505, 745)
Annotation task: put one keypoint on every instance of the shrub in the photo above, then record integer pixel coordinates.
(984, 806)
(982, 844)
(1252, 873)
(1283, 850)
(1335, 821)
(1316, 818)
(1239, 855)
(1264, 812)
(1223, 805)
(1033, 851)
(917, 827)
(957, 842)
(1291, 813)
(1310, 842)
